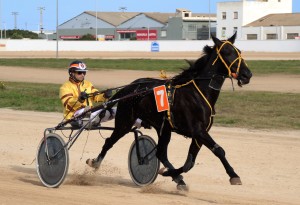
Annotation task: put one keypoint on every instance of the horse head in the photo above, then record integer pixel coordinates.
(230, 57)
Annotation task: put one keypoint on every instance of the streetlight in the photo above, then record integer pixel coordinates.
(41, 18)
(15, 17)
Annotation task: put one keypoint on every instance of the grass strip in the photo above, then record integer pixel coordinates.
(256, 66)
(248, 109)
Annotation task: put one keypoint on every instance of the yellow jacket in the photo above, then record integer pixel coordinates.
(69, 93)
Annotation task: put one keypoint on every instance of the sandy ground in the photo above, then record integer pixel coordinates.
(267, 161)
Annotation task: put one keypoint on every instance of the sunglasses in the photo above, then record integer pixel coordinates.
(80, 73)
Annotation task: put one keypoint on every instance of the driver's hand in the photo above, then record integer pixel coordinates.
(83, 96)
(107, 93)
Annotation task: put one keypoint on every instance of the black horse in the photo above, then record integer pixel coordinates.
(192, 97)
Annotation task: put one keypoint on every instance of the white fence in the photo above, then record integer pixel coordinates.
(145, 46)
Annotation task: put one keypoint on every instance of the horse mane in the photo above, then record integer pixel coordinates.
(195, 67)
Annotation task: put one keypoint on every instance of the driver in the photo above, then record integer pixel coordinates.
(78, 95)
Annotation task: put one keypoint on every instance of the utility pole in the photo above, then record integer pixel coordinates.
(14, 13)
(41, 18)
(209, 20)
(96, 22)
(57, 29)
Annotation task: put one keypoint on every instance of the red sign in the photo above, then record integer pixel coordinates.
(143, 34)
(109, 36)
(161, 98)
(70, 37)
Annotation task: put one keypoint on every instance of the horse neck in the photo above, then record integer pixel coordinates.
(211, 94)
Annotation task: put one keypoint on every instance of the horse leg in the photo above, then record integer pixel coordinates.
(162, 155)
(220, 153)
(195, 146)
(190, 161)
(117, 134)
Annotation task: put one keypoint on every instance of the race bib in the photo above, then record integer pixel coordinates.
(161, 98)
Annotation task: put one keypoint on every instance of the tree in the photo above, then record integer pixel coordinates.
(88, 37)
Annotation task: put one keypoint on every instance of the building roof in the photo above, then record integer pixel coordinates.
(113, 18)
(285, 19)
(117, 18)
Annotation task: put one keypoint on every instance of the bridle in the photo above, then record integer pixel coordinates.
(239, 59)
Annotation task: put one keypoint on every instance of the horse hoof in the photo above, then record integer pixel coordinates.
(235, 181)
(93, 163)
(182, 187)
(162, 170)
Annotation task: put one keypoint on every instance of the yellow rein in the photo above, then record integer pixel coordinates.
(239, 58)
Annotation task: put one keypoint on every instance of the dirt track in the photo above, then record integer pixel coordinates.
(268, 162)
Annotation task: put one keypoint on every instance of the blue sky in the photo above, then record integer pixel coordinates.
(29, 15)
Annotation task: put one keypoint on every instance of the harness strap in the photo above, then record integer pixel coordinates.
(239, 58)
(199, 91)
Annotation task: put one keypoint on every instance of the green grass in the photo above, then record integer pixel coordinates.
(30, 96)
(257, 67)
(262, 110)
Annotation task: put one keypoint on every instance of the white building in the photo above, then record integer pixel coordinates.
(231, 16)
(273, 27)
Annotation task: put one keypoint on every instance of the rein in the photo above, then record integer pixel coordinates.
(239, 59)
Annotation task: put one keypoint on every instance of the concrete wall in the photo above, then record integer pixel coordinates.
(131, 46)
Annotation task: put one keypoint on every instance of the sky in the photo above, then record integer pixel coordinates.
(27, 15)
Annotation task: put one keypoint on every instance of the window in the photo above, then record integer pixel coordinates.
(223, 32)
(235, 15)
(223, 15)
(292, 35)
(251, 36)
(163, 34)
(271, 36)
(192, 27)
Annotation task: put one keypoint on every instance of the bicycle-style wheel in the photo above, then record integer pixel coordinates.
(52, 160)
(144, 171)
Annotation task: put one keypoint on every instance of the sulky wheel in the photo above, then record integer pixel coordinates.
(52, 160)
(144, 169)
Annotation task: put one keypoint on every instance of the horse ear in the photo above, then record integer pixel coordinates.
(217, 42)
(232, 38)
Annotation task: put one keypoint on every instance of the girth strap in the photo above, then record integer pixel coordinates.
(171, 93)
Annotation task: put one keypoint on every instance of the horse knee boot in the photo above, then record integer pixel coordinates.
(218, 151)
(189, 164)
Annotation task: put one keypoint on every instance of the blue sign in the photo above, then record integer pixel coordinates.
(154, 47)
